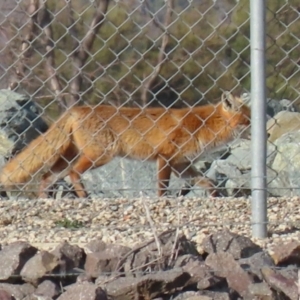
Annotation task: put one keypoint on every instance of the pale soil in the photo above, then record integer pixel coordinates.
(125, 221)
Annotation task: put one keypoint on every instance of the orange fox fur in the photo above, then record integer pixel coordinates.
(89, 137)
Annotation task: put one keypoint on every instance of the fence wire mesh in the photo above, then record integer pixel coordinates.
(131, 54)
(169, 54)
(130, 83)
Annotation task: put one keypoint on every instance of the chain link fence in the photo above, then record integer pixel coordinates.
(148, 98)
(143, 54)
(130, 54)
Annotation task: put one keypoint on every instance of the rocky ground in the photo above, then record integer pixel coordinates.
(48, 222)
(186, 248)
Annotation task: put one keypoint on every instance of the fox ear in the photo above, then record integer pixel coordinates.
(230, 102)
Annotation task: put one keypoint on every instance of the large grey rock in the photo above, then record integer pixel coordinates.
(229, 177)
(203, 295)
(5, 295)
(190, 295)
(13, 257)
(20, 122)
(276, 106)
(48, 289)
(256, 262)
(237, 245)
(282, 282)
(239, 186)
(149, 286)
(40, 265)
(223, 169)
(104, 261)
(273, 106)
(201, 274)
(271, 152)
(259, 290)
(224, 265)
(96, 245)
(282, 123)
(287, 253)
(287, 165)
(126, 178)
(240, 155)
(70, 257)
(288, 152)
(83, 291)
(145, 256)
(19, 291)
(233, 173)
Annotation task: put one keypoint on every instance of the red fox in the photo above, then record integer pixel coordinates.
(89, 137)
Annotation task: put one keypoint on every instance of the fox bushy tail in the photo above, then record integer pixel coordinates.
(39, 155)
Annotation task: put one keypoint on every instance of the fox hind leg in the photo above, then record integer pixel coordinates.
(47, 180)
(96, 150)
(86, 161)
(58, 171)
(83, 164)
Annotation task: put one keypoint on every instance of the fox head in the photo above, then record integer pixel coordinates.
(238, 115)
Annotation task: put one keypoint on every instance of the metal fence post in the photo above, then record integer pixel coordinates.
(258, 107)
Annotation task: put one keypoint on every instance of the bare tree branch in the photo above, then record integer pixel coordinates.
(153, 18)
(51, 97)
(39, 18)
(7, 58)
(44, 20)
(161, 56)
(83, 49)
(73, 32)
(152, 225)
(31, 33)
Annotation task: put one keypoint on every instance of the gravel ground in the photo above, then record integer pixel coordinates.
(44, 223)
